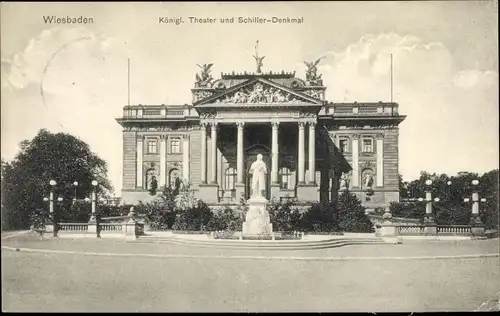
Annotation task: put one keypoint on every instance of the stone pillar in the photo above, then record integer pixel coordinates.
(429, 223)
(380, 160)
(239, 158)
(50, 225)
(203, 153)
(477, 228)
(300, 168)
(355, 161)
(163, 159)
(213, 136)
(312, 152)
(140, 148)
(185, 158)
(275, 153)
(51, 204)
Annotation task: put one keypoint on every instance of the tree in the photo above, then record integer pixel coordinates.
(60, 157)
(351, 214)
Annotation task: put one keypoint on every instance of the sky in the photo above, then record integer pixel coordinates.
(72, 78)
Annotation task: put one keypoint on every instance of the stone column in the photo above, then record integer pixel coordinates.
(203, 153)
(312, 152)
(213, 131)
(355, 161)
(239, 158)
(300, 168)
(475, 204)
(428, 205)
(140, 148)
(275, 153)
(185, 158)
(163, 159)
(380, 160)
(429, 223)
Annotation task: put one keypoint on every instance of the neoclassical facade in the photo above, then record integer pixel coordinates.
(313, 148)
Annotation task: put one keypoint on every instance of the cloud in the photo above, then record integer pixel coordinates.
(452, 122)
(73, 68)
(452, 113)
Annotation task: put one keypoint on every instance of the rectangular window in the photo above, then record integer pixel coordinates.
(343, 145)
(175, 146)
(367, 145)
(152, 146)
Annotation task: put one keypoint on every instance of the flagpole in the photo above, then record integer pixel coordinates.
(391, 79)
(128, 83)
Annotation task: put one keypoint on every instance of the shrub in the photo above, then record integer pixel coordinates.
(321, 216)
(226, 219)
(283, 217)
(193, 218)
(39, 218)
(351, 214)
(161, 212)
(408, 210)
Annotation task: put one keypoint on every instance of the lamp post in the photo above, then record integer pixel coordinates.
(477, 226)
(448, 190)
(429, 223)
(75, 184)
(51, 207)
(428, 206)
(94, 187)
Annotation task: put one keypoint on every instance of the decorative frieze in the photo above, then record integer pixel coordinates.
(260, 93)
(317, 94)
(202, 94)
(160, 128)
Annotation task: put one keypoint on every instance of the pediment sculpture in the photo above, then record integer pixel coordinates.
(204, 78)
(312, 75)
(259, 93)
(202, 94)
(313, 93)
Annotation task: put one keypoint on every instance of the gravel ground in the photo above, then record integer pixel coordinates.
(76, 283)
(407, 249)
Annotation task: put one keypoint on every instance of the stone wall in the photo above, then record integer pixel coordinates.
(129, 160)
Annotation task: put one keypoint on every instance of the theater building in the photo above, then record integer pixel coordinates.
(312, 148)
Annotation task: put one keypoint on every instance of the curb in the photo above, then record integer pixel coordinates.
(179, 256)
(15, 234)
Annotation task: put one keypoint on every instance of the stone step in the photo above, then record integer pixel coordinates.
(263, 245)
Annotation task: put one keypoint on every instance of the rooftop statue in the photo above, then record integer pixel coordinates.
(204, 78)
(312, 75)
(258, 59)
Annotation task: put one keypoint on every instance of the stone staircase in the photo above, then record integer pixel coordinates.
(263, 244)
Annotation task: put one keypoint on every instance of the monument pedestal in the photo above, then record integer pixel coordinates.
(257, 220)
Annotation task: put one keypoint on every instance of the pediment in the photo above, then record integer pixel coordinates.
(260, 91)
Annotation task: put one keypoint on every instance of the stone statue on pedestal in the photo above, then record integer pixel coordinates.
(257, 221)
(258, 170)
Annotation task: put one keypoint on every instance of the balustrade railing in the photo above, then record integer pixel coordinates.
(410, 229)
(73, 227)
(110, 227)
(454, 230)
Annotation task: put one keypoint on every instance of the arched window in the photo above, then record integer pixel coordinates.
(286, 178)
(229, 178)
(173, 178)
(150, 176)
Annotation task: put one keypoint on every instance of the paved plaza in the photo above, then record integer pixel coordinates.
(120, 277)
